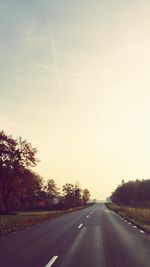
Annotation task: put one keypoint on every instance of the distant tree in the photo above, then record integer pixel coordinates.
(85, 196)
(68, 193)
(132, 193)
(52, 191)
(16, 156)
(74, 196)
(30, 191)
(108, 199)
(77, 196)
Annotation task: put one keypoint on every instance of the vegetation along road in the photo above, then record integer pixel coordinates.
(92, 237)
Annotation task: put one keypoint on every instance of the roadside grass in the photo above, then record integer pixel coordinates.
(11, 223)
(138, 216)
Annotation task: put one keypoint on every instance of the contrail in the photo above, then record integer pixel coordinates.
(52, 43)
(55, 69)
(55, 60)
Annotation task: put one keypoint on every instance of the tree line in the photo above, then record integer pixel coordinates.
(132, 193)
(23, 189)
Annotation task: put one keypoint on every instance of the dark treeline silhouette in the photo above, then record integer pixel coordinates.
(23, 189)
(132, 193)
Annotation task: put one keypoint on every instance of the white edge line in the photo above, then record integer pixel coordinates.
(50, 263)
(80, 225)
(134, 226)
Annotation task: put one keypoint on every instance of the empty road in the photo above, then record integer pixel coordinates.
(92, 237)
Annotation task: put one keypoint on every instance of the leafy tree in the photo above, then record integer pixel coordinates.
(30, 190)
(21, 188)
(73, 195)
(132, 193)
(77, 196)
(16, 156)
(52, 191)
(85, 196)
(68, 192)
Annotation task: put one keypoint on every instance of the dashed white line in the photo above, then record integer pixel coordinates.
(80, 225)
(92, 211)
(134, 226)
(13, 233)
(142, 231)
(87, 216)
(50, 263)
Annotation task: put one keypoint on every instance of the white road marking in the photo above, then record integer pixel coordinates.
(50, 263)
(134, 226)
(80, 225)
(129, 223)
(142, 231)
(87, 216)
(107, 210)
(92, 211)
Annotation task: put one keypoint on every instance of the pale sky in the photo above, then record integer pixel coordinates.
(75, 82)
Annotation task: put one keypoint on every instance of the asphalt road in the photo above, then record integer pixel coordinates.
(92, 237)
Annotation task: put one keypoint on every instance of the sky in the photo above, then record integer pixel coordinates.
(75, 82)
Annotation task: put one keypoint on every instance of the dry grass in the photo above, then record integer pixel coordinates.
(139, 216)
(10, 223)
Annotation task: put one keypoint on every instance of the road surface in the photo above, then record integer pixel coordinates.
(92, 237)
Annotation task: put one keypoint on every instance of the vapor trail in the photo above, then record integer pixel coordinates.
(56, 66)
(56, 70)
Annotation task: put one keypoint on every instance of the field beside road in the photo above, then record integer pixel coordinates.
(91, 237)
(138, 216)
(11, 223)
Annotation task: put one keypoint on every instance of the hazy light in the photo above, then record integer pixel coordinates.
(75, 82)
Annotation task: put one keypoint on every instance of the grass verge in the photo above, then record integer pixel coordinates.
(138, 216)
(11, 223)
